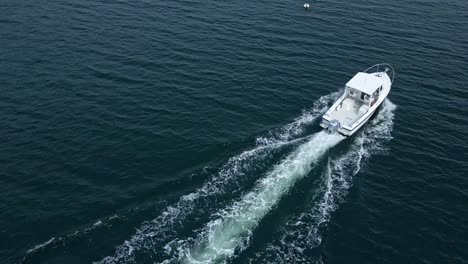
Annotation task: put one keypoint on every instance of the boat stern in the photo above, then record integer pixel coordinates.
(334, 126)
(324, 123)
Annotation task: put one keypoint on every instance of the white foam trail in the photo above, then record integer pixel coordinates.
(36, 247)
(303, 232)
(296, 128)
(71, 236)
(161, 229)
(234, 226)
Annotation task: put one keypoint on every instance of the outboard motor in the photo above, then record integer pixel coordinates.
(333, 126)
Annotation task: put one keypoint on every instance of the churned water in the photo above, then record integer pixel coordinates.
(188, 132)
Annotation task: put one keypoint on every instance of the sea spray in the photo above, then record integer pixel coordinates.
(296, 128)
(303, 232)
(234, 225)
(161, 230)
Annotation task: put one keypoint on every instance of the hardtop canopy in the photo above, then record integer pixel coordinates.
(365, 82)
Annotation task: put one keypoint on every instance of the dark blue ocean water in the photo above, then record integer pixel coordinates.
(183, 131)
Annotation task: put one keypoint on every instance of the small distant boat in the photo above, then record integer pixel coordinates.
(363, 95)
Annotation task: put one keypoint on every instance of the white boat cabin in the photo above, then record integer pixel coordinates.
(363, 94)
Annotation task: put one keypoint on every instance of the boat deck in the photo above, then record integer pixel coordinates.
(347, 114)
(344, 116)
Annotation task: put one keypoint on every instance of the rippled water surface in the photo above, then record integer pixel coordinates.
(187, 132)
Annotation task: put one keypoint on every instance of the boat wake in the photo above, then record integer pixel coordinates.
(230, 225)
(153, 235)
(234, 225)
(303, 232)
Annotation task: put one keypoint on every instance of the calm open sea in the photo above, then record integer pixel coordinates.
(188, 132)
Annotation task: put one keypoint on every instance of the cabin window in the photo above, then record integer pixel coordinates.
(363, 96)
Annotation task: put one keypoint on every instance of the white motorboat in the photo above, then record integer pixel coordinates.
(363, 95)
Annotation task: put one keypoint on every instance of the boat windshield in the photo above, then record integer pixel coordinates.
(357, 95)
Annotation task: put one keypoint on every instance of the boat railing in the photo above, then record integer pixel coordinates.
(386, 67)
